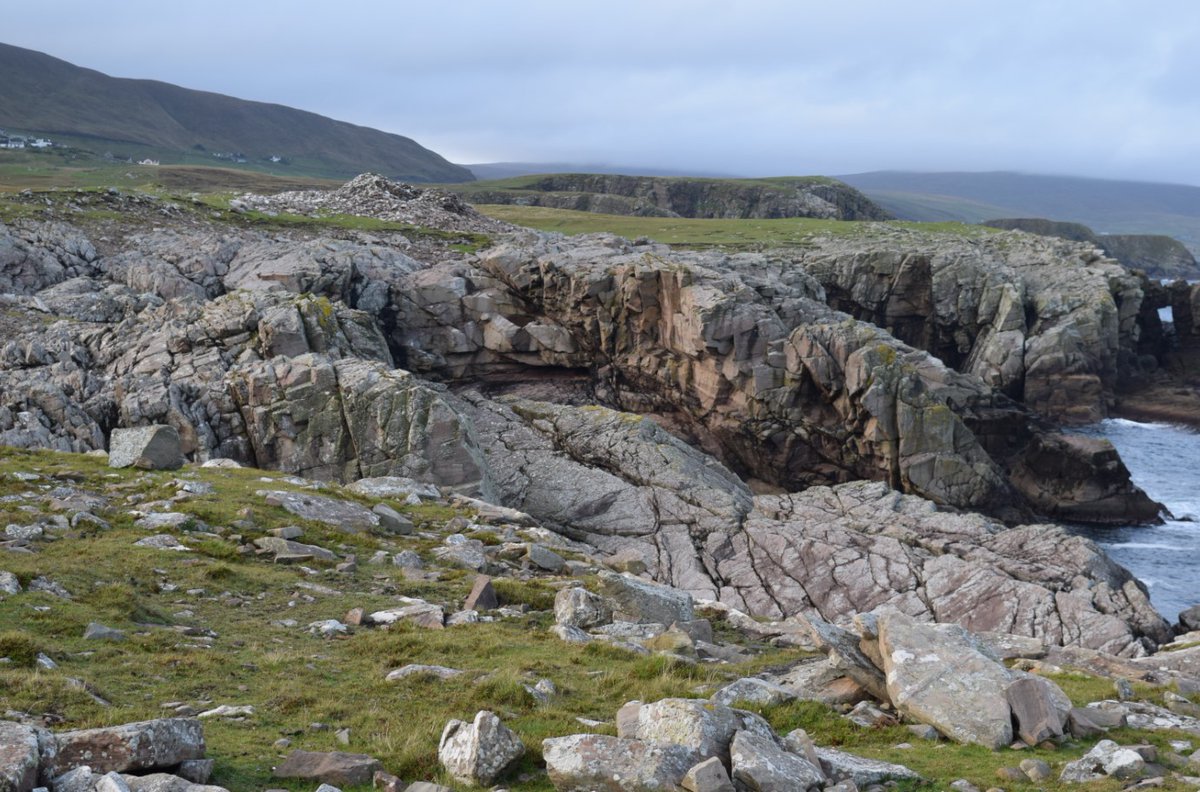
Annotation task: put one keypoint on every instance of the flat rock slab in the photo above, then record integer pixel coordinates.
(146, 447)
(286, 547)
(145, 745)
(341, 769)
(344, 515)
(842, 766)
(393, 487)
(599, 763)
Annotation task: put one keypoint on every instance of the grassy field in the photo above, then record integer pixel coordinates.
(56, 169)
(211, 626)
(687, 232)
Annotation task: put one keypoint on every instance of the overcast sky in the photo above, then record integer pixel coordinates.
(1096, 88)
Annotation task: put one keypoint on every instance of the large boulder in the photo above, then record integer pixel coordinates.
(941, 675)
(145, 745)
(478, 752)
(19, 757)
(703, 727)
(598, 763)
(759, 764)
(338, 768)
(146, 447)
(643, 601)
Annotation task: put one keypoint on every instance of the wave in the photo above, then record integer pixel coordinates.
(1142, 546)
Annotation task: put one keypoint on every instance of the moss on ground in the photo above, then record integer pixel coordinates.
(213, 626)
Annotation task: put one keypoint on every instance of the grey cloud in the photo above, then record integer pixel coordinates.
(1097, 88)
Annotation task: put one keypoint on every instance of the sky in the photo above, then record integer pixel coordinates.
(753, 88)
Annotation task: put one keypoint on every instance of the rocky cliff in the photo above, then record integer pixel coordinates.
(700, 414)
(1157, 255)
(682, 197)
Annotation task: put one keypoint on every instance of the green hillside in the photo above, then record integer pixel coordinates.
(143, 118)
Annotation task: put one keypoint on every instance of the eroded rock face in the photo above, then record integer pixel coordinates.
(1048, 322)
(740, 355)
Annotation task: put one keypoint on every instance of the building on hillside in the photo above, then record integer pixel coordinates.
(149, 161)
(40, 143)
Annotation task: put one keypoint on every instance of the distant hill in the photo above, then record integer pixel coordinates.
(508, 170)
(1107, 206)
(660, 196)
(144, 118)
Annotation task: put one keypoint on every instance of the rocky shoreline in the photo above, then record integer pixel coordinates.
(869, 424)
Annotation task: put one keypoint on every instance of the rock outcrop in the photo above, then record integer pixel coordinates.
(740, 384)
(650, 196)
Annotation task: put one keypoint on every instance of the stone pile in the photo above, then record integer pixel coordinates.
(371, 195)
(699, 746)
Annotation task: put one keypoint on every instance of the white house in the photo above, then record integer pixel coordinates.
(41, 143)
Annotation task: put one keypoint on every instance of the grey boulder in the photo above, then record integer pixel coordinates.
(147, 447)
(478, 752)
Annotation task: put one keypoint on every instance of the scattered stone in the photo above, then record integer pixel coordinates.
(845, 653)
(343, 515)
(336, 767)
(9, 584)
(426, 786)
(98, 632)
(752, 690)
(419, 612)
(24, 533)
(391, 521)
(407, 559)
(287, 549)
(228, 711)
(572, 635)
(642, 601)
(759, 764)
(589, 762)
(938, 674)
(328, 628)
(48, 586)
(460, 551)
(219, 463)
(287, 532)
(478, 752)
(198, 771)
(19, 756)
(708, 776)
(161, 542)
(1036, 770)
(1035, 714)
(841, 766)
(162, 520)
(867, 715)
(415, 669)
(392, 487)
(544, 558)
(112, 782)
(482, 596)
(924, 731)
(146, 447)
(1105, 759)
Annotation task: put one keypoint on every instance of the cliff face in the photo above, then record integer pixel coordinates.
(1157, 255)
(680, 197)
(715, 416)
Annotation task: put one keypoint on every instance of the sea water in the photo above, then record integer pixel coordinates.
(1164, 460)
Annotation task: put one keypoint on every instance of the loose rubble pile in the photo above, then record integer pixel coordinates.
(371, 195)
